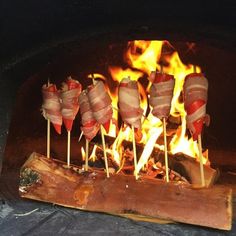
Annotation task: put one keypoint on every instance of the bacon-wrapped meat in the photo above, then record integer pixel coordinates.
(161, 93)
(51, 106)
(195, 99)
(129, 103)
(89, 126)
(100, 104)
(71, 90)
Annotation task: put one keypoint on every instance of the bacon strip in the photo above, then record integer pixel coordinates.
(100, 103)
(195, 99)
(51, 106)
(71, 90)
(89, 126)
(161, 93)
(129, 103)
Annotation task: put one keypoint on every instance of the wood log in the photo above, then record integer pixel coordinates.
(52, 181)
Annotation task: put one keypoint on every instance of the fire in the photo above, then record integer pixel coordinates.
(92, 155)
(154, 134)
(118, 73)
(143, 57)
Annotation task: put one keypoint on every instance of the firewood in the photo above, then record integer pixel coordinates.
(50, 180)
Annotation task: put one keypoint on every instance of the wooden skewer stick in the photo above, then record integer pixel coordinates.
(135, 153)
(68, 148)
(201, 160)
(86, 154)
(48, 138)
(104, 151)
(200, 148)
(81, 135)
(48, 132)
(165, 150)
(103, 143)
(165, 143)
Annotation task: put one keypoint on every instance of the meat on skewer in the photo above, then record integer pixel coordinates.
(51, 106)
(195, 99)
(71, 90)
(89, 127)
(100, 102)
(129, 103)
(161, 93)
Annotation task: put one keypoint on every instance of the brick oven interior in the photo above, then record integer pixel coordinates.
(58, 39)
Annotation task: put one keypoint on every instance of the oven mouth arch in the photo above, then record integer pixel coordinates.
(39, 61)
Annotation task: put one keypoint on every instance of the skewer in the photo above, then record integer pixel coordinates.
(201, 160)
(104, 151)
(68, 148)
(81, 135)
(86, 155)
(200, 148)
(165, 143)
(70, 92)
(165, 149)
(48, 132)
(135, 153)
(103, 143)
(48, 138)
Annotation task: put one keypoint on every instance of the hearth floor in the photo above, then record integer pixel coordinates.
(26, 217)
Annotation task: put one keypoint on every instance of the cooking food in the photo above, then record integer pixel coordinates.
(195, 99)
(161, 93)
(71, 90)
(89, 126)
(100, 102)
(129, 103)
(51, 106)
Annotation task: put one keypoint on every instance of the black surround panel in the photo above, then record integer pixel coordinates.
(37, 24)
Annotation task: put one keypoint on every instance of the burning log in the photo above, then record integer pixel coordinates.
(52, 181)
(186, 166)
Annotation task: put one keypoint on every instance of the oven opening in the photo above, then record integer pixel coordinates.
(162, 150)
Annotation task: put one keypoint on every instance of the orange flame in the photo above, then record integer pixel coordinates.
(144, 57)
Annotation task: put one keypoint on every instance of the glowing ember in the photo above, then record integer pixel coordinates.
(142, 58)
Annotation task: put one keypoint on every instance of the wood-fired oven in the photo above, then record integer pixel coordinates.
(53, 40)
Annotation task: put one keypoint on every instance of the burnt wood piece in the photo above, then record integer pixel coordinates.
(186, 166)
(51, 181)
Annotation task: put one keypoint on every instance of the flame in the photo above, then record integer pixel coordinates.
(96, 76)
(118, 73)
(154, 134)
(92, 157)
(180, 142)
(142, 57)
(83, 153)
(145, 56)
(117, 150)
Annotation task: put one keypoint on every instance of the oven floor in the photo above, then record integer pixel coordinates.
(25, 217)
